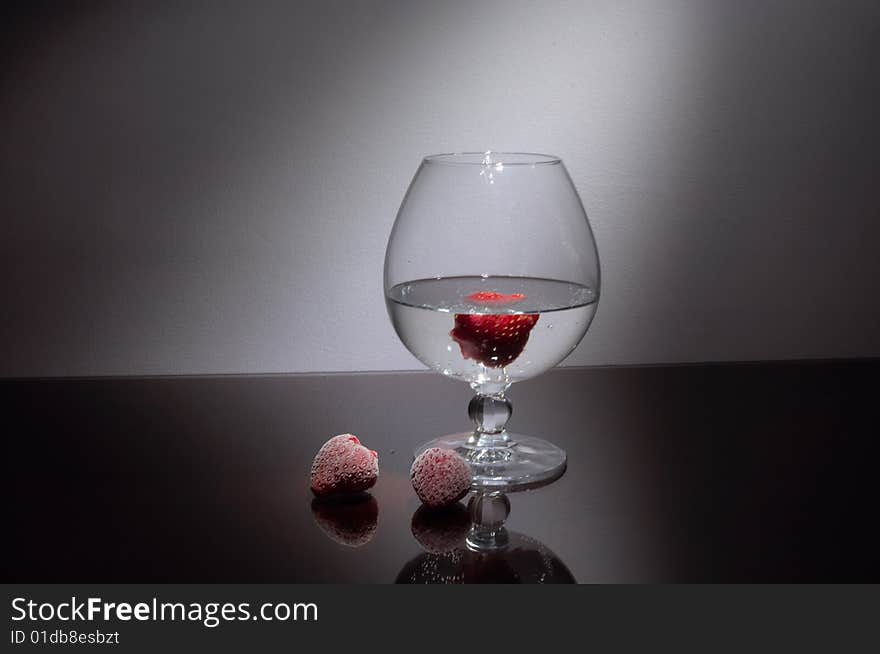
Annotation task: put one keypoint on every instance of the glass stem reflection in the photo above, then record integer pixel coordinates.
(488, 512)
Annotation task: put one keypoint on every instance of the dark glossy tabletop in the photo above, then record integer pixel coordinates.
(749, 472)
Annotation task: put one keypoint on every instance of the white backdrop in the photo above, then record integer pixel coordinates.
(210, 189)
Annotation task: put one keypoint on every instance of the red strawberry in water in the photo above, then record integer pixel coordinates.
(343, 465)
(491, 297)
(495, 340)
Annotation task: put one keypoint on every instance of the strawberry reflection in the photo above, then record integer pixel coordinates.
(349, 520)
(439, 531)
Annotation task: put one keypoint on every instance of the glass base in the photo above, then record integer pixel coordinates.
(528, 462)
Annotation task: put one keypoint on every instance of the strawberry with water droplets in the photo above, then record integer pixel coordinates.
(343, 465)
(440, 477)
(495, 340)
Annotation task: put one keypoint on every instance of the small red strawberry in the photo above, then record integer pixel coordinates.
(343, 465)
(495, 340)
(492, 297)
(440, 477)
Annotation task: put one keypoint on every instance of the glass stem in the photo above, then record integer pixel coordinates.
(490, 414)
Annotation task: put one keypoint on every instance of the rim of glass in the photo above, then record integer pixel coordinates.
(493, 157)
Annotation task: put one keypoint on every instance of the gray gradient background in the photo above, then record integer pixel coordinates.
(208, 187)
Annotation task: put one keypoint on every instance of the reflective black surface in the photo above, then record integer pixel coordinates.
(699, 473)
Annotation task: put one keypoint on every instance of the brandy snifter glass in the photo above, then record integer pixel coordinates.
(492, 277)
